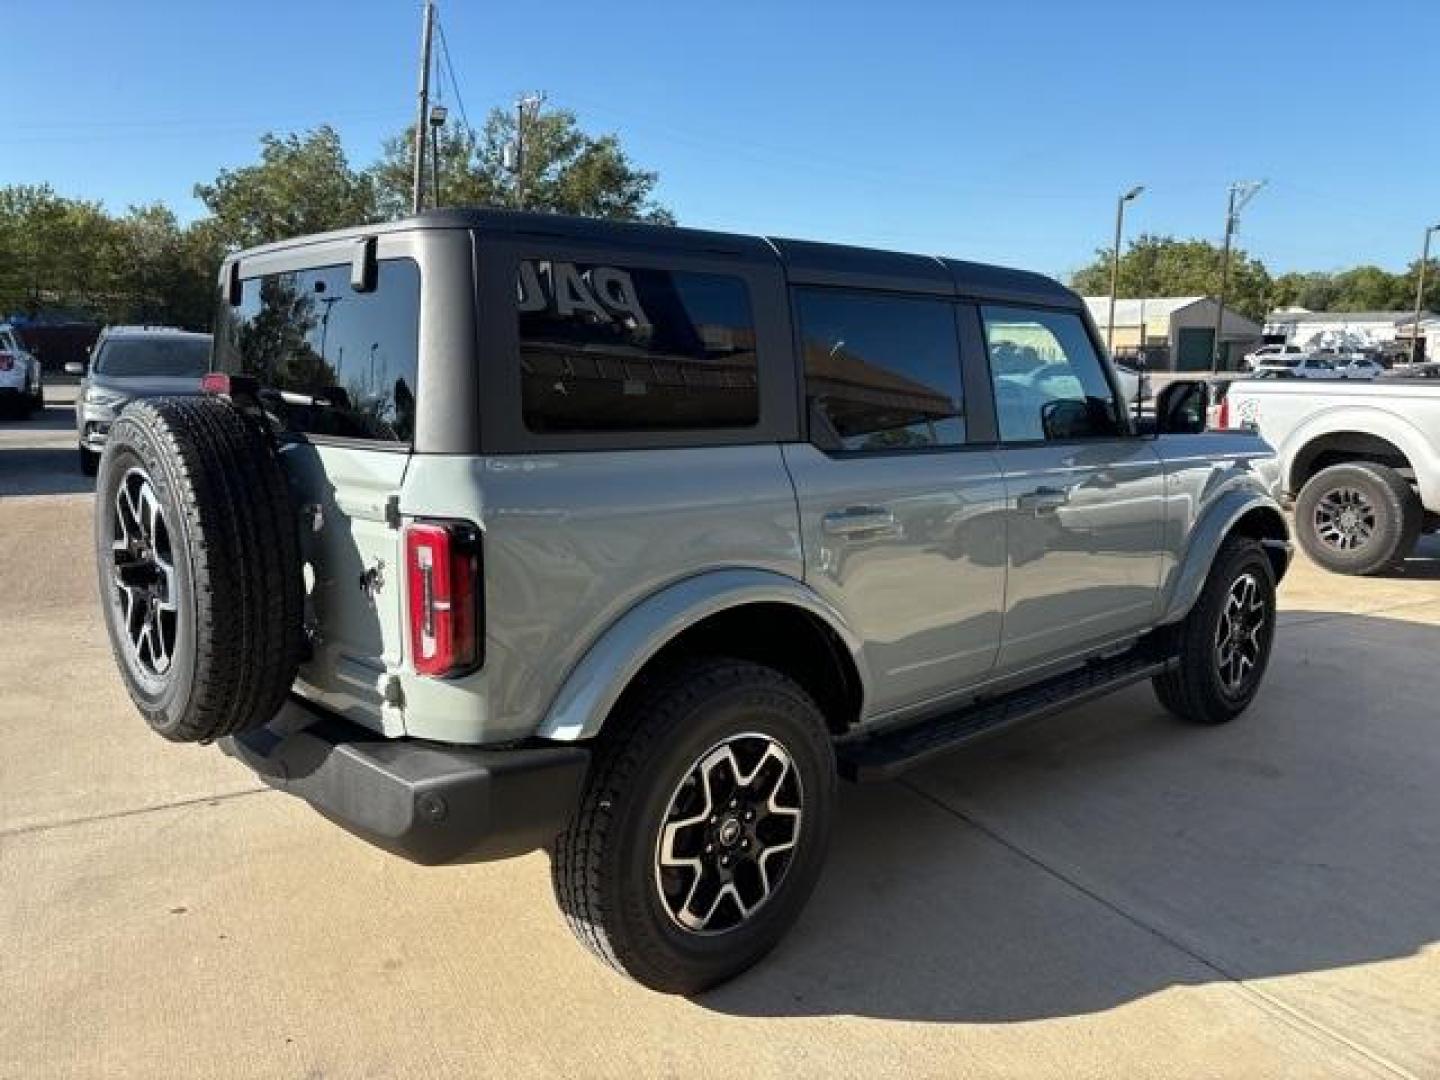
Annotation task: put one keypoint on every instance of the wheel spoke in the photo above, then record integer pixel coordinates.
(729, 833)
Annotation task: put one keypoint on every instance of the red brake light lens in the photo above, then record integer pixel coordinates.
(443, 575)
(1222, 417)
(216, 382)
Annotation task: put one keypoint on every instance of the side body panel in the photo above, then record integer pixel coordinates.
(1085, 541)
(924, 586)
(573, 542)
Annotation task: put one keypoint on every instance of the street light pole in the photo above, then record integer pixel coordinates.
(1115, 262)
(1420, 294)
(417, 186)
(1240, 194)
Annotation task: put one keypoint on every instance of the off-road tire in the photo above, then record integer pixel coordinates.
(1397, 510)
(1193, 689)
(233, 540)
(603, 865)
(89, 461)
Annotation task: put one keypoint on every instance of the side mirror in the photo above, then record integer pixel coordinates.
(1180, 407)
(1065, 418)
(74, 368)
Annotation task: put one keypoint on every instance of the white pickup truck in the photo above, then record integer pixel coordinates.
(1360, 460)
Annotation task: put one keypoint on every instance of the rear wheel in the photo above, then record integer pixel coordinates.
(703, 827)
(1358, 518)
(1224, 643)
(197, 548)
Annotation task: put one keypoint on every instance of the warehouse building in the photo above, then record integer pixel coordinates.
(1175, 333)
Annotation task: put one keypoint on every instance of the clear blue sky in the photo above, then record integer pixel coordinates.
(994, 131)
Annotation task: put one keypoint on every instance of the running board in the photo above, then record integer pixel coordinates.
(887, 754)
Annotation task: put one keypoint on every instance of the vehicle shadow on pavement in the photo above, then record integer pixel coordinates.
(1111, 852)
(1423, 563)
(37, 457)
(28, 470)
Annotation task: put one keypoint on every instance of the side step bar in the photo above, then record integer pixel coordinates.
(887, 754)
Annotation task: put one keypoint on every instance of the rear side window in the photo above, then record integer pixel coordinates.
(881, 372)
(606, 348)
(1049, 384)
(329, 360)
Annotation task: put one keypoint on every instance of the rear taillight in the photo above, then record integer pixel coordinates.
(443, 574)
(6, 361)
(215, 382)
(1222, 415)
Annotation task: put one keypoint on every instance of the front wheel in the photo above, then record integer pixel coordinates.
(1358, 518)
(1224, 643)
(703, 827)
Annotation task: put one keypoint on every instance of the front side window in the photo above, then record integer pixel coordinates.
(607, 348)
(1049, 383)
(329, 360)
(175, 357)
(881, 372)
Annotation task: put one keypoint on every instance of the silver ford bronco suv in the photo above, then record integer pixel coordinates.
(500, 531)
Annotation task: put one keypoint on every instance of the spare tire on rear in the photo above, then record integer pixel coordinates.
(198, 551)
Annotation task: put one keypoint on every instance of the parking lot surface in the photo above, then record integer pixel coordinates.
(1104, 893)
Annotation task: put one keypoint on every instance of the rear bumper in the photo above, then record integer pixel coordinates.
(429, 802)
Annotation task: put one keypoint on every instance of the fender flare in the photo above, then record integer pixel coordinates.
(595, 684)
(1215, 524)
(1365, 420)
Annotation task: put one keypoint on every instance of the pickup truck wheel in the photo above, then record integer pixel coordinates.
(197, 549)
(1224, 643)
(1358, 518)
(703, 826)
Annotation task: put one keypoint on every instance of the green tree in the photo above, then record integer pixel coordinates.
(566, 170)
(1164, 266)
(303, 184)
(1368, 288)
(1313, 291)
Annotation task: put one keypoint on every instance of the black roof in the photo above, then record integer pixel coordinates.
(805, 261)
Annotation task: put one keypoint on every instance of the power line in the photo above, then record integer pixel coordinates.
(450, 68)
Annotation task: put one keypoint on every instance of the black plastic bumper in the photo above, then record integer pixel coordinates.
(431, 802)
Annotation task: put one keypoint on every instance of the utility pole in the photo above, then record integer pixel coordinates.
(1420, 297)
(417, 188)
(526, 109)
(1115, 263)
(1241, 193)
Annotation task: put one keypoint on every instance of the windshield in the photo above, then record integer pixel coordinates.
(155, 356)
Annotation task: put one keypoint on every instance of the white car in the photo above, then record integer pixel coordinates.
(1268, 354)
(1358, 367)
(20, 379)
(1296, 366)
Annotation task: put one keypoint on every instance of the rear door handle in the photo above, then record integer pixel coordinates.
(1043, 500)
(859, 521)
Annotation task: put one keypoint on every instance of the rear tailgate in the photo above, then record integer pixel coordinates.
(351, 547)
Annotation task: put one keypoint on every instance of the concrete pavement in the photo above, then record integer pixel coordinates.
(1104, 893)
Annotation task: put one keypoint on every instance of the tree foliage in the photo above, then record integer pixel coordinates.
(565, 170)
(69, 255)
(1164, 266)
(302, 184)
(73, 256)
